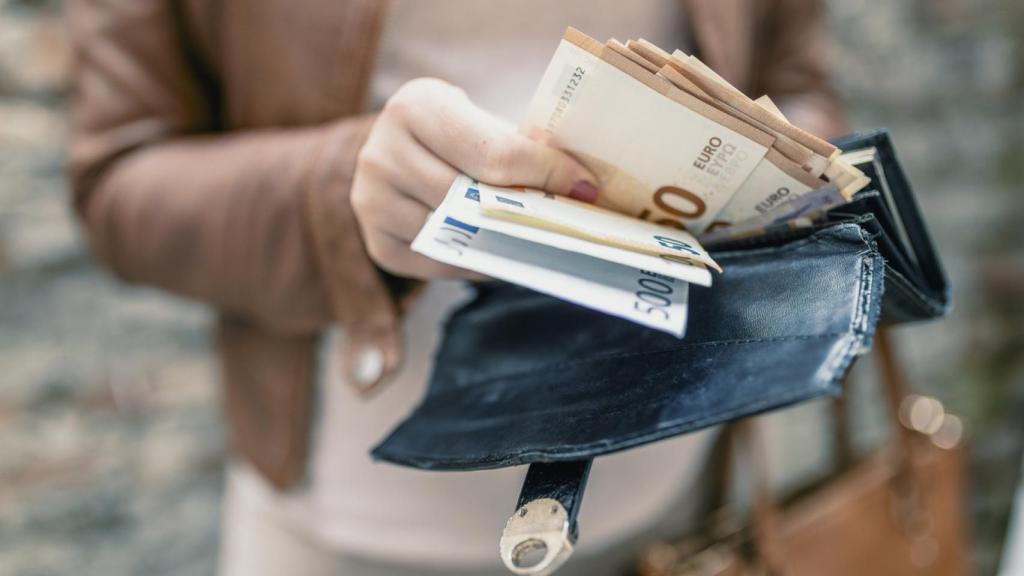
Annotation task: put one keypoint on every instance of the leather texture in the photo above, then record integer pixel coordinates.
(864, 522)
(886, 515)
(521, 377)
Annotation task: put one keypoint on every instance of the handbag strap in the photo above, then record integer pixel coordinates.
(765, 508)
(894, 389)
(744, 441)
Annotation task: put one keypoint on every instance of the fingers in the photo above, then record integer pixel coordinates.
(428, 132)
(384, 213)
(391, 205)
(419, 174)
(488, 149)
(515, 160)
(388, 229)
(399, 186)
(401, 217)
(388, 242)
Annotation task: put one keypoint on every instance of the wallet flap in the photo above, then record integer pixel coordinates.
(521, 377)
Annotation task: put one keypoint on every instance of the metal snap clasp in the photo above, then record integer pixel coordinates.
(537, 539)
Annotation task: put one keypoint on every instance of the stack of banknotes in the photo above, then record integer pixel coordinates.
(683, 159)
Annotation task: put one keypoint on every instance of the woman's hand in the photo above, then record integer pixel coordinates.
(427, 133)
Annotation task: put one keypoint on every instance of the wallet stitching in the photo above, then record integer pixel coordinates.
(862, 311)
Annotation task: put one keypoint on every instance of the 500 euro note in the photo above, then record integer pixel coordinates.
(455, 234)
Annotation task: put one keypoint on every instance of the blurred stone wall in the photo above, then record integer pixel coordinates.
(947, 77)
(110, 440)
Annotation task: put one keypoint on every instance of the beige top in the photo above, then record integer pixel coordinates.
(497, 51)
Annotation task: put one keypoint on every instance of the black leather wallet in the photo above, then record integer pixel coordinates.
(523, 378)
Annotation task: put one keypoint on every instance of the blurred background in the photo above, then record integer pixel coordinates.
(111, 446)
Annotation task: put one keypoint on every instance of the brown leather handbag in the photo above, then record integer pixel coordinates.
(898, 512)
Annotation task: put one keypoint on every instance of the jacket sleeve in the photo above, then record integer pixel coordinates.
(167, 201)
(791, 66)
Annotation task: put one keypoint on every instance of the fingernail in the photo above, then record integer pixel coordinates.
(583, 191)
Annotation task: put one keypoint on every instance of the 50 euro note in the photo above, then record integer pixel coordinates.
(689, 74)
(824, 160)
(594, 98)
(659, 154)
(455, 234)
(776, 179)
(718, 93)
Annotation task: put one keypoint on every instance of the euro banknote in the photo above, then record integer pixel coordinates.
(800, 212)
(593, 224)
(454, 234)
(670, 141)
(655, 158)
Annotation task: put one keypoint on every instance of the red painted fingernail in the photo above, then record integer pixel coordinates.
(583, 191)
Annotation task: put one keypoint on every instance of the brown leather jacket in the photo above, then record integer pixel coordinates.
(213, 148)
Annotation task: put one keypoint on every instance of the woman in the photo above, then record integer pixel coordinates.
(275, 160)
